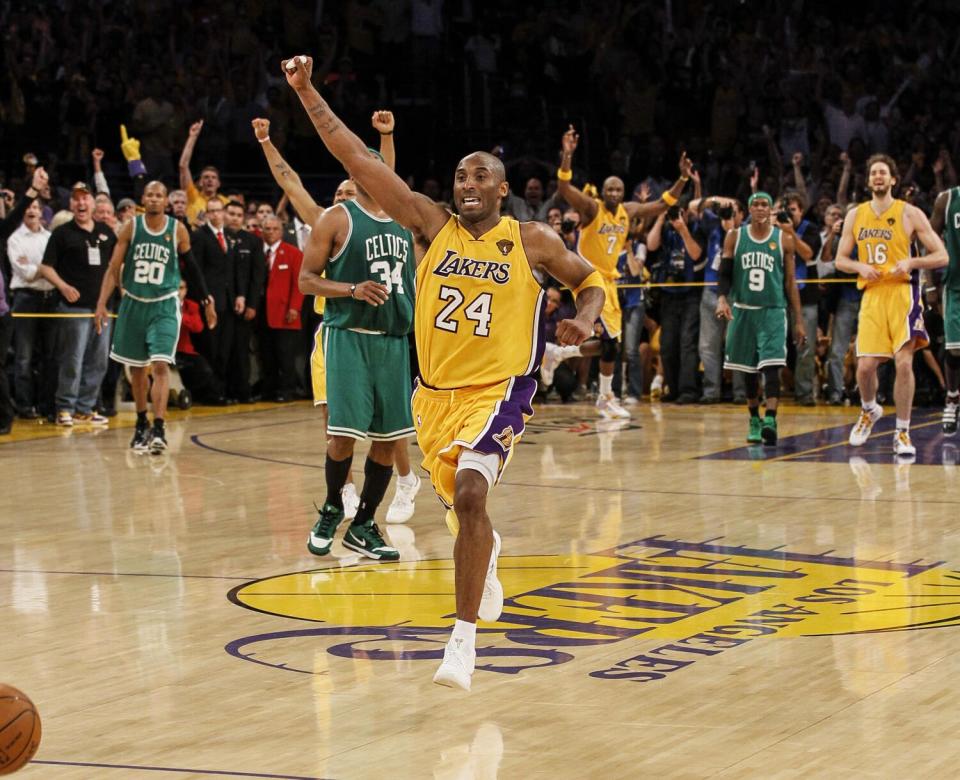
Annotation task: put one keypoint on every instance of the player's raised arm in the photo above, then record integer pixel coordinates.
(412, 210)
(654, 208)
(285, 176)
(546, 250)
(584, 204)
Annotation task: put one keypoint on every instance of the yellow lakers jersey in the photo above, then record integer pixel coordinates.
(478, 313)
(601, 242)
(882, 241)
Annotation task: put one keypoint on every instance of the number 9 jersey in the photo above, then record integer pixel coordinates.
(479, 315)
(881, 241)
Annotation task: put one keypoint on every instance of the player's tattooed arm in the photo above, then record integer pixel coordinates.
(414, 211)
(545, 250)
(793, 293)
(285, 176)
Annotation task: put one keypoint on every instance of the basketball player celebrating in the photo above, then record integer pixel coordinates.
(148, 249)
(946, 222)
(891, 317)
(479, 340)
(757, 271)
(403, 505)
(603, 233)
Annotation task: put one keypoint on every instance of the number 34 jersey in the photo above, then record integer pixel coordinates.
(758, 275)
(479, 308)
(380, 250)
(151, 267)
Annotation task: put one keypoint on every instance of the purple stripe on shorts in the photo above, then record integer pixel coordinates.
(915, 318)
(507, 422)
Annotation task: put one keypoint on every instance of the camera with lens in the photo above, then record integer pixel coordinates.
(568, 226)
(783, 217)
(673, 213)
(725, 212)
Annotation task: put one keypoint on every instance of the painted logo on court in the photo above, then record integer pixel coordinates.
(695, 600)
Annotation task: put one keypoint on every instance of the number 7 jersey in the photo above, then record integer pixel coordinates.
(479, 316)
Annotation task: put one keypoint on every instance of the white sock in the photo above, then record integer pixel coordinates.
(903, 425)
(953, 397)
(465, 631)
(869, 406)
(606, 385)
(407, 479)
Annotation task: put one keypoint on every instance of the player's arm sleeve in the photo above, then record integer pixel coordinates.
(196, 283)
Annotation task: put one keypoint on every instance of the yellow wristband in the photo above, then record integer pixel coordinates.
(593, 280)
(668, 198)
(564, 175)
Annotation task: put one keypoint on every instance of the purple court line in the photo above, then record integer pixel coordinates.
(196, 440)
(125, 574)
(177, 769)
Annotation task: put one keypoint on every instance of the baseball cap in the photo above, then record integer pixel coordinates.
(30, 159)
(82, 186)
(125, 203)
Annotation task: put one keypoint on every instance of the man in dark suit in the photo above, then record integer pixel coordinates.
(211, 251)
(280, 326)
(249, 274)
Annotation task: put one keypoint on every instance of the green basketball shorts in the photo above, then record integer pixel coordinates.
(368, 385)
(146, 333)
(756, 338)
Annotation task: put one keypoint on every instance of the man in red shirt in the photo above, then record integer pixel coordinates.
(280, 327)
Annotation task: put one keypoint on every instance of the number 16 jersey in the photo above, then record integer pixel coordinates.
(479, 308)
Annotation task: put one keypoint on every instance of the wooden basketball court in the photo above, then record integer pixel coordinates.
(678, 605)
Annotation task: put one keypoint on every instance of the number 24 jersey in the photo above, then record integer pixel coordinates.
(479, 315)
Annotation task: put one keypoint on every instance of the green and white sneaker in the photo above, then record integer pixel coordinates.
(321, 535)
(769, 431)
(366, 539)
(753, 435)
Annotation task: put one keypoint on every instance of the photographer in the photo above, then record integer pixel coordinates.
(806, 236)
(719, 216)
(843, 302)
(568, 228)
(682, 258)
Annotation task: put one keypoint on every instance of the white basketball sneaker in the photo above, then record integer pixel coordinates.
(609, 407)
(402, 506)
(552, 357)
(861, 431)
(491, 603)
(457, 665)
(902, 446)
(351, 501)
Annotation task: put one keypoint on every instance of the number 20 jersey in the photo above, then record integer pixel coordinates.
(151, 266)
(479, 317)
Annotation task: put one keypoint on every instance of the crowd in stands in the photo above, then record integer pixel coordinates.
(781, 98)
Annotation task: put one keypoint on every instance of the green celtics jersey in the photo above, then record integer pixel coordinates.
(951, 237)
(758, 270)
(380, 250)
(151, 267)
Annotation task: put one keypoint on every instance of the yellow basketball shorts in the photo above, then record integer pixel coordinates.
(318, 368)
(891, 315)
(489, 420)
(611, 318)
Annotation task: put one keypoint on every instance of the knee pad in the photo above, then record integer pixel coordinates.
(771, 381)
(752, 383)
(487, 465)
(952, 359)
(609, 350)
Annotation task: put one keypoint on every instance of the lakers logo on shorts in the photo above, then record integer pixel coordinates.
(504, 438)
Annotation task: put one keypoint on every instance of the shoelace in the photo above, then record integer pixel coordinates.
(903, 437)
(864, 420)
